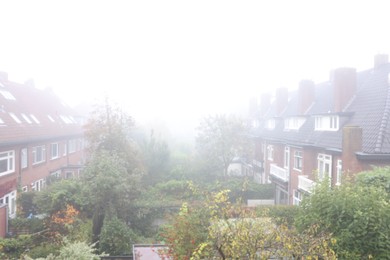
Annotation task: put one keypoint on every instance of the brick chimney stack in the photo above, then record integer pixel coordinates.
(281, 100)
(344, 87)
(265, 103)
(380, 59)
(306, 95)
(352, 143)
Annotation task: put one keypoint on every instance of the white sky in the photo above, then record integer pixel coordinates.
(179, 60)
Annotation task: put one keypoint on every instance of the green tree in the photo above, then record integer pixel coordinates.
(356, 214)
(156, 157)
(116, 237)
(112, 174)
(220, 139)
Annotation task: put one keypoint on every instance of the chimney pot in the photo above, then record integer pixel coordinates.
(380, 59)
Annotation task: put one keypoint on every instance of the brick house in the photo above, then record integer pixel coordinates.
(332, 129)
(39, 138)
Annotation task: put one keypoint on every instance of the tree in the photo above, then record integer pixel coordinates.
(218, 229)
(220, 139)
(156, 157)
(356, 214)
(112, 174)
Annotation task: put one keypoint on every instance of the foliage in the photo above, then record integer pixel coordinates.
(280, 214)
(59, 195)
(12, 248)
(61, 223)
(26, 204)
(220, 139)
(378, 177)
(156, 157)
(357, 216)
(112, 175)
(216, 228)
(73, 250)
(116, 238)
(33, 225)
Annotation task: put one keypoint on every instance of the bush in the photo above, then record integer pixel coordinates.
(116, 238)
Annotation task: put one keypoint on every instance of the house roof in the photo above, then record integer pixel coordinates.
(368, 108)
(29, 114)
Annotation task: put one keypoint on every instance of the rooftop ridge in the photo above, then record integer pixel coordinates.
(383, 124)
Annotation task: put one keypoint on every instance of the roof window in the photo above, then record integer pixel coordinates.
(25, 117)
(7, 95)
(50, 118)
(35, 119)
(17, 120)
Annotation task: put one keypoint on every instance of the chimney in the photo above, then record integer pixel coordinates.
(380, 59)
(281, 100)
(3, 76)
(352, 143)
(265, 103)
(306, 95)
(344, 87)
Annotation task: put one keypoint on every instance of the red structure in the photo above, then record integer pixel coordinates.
(40, 138)
(327, 130)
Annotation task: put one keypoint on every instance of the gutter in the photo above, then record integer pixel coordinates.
(372, 157)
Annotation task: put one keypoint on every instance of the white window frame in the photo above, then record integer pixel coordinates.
(298, 160)
(10, 200)
(270, 124)
(9, 158)
(270, 152)
(7, 95)
(54, 151)
(72, 146)
(38, 185)
(26, 118)
(297, 197)
(14, 117)
(324, 161)
(339, 171)
(293, 123)
(287, 157)
(24, 158)
(326, 123)
(39, 154)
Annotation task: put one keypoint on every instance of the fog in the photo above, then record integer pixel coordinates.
(169, 63)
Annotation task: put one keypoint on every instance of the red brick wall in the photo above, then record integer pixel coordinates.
(3, 221)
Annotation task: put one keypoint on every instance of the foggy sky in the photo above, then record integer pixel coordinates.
(179, 60)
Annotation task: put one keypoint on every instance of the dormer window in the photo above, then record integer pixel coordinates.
(326, 123)
(293, 123)
(270, 124)
(7, 95)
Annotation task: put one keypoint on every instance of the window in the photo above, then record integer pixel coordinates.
(270, 124)
(39, 154)
(50, 118)
(17, 120)
(326, 123)
(65, 149)
(72, 146)
(7, 162)
(56, 174)
(287, 157)
(324, 166)
(7, 95)
(339, 172)
(10, 200)
(270, 152)
(24, 158)
(38, 185)
(25, 117)
(293, 123)
(35, 119)
(297, 197)
(68, 175)
(54, 151)
(298, 160)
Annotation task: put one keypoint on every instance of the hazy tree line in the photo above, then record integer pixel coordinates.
(132, 179)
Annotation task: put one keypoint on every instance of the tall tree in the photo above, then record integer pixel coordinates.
(112, 174)
(220, 139)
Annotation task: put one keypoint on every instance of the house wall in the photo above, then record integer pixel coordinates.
(3, 220)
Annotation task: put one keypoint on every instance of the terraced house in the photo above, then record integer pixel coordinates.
(332, 129)
(40, 138)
